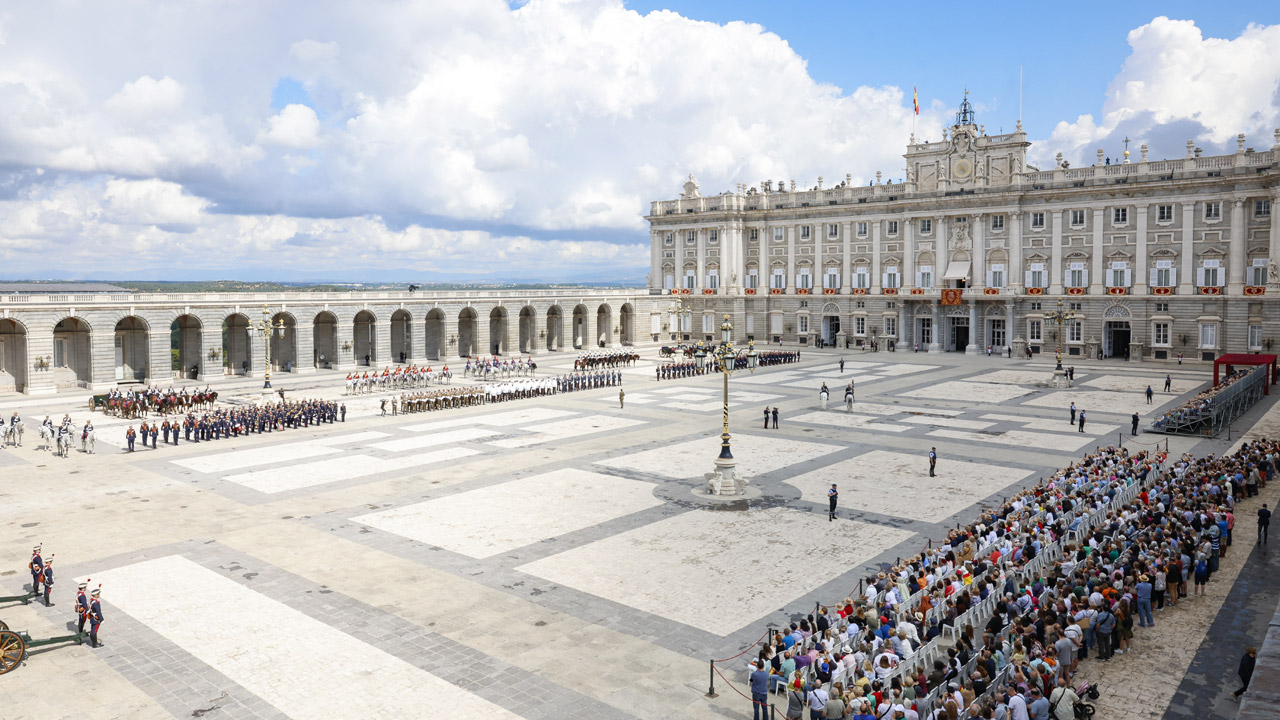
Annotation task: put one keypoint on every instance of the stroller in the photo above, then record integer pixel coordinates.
(1084, 709)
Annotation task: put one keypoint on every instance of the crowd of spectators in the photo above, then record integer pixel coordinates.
(994, 622)
(1199, 408)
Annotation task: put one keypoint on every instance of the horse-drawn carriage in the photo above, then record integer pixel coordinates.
(14, 643)
(670, 351)
(138, 406)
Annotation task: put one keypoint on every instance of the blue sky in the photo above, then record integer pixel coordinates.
(488, 140)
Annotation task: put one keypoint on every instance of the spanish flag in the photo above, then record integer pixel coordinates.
(915, 99)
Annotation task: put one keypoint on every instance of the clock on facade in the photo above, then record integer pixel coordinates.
(962, 167)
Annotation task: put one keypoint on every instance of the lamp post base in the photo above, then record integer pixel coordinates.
(724, 479)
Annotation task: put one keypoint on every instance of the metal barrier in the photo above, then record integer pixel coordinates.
(1220, 410)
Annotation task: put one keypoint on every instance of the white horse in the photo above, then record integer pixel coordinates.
(13, 434)
(46, 437)
(88, 441)
(64, 443)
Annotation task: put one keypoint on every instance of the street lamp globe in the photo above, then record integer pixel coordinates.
(726, 330)
(700, 358)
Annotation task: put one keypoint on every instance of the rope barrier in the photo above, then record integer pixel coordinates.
(748, 649)
(735, 689)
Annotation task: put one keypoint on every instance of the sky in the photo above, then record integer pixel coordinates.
(495, 141)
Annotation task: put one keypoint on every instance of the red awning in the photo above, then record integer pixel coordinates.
(1233, 359)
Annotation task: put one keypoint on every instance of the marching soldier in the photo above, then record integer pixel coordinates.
(130, 435)
(82, 606)
(48, 581)
(36, 566)
(95, 617)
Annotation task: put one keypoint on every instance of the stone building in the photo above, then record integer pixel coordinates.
(91, 337)
(1153, 257)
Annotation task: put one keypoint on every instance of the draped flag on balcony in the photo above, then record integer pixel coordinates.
(951, 296)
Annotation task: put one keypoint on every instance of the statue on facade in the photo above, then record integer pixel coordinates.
(1273, 272)
(959, 237)
(733, 278)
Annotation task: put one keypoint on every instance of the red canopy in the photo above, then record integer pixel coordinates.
(1246, 359)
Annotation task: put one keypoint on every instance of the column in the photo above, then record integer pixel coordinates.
(941, 251)
(791, 258)
(382, 340)
(655, 259)
(1055, 262)
(1274, 245)
(1008, 323)
(846, 259)
(304, 337)
(1015, 250)
(934, 345)
(904, 331)
(738, 273)
(1095, 256)
(159, 351)
(972, 347)
(1140, 271)
(1236, 250)
(908, 253)
(40, 344)
(875, 258)
(258, 345)
(979, 251)
(700, 281)
(344, 336)
(1187, 281)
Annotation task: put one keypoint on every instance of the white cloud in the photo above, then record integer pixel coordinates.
(296, 127)
(1178, 85)
(151, 202)
(147, 97)
(310, 51)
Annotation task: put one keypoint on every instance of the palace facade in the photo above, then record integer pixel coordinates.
(1152, 258)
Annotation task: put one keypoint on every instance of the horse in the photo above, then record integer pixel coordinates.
(13, 434)
(46, 437)
(88, 441)
(64, 444)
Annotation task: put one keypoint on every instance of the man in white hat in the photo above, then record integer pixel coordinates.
(95, 617)
(82, 606)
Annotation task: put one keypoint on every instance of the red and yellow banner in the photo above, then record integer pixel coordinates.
(952, 296)
(1255, 290)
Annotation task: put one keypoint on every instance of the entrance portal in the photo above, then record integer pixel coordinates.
(830, 328)
(959, 334)
(1115, 339)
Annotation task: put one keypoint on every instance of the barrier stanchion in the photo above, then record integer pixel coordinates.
(711, 689)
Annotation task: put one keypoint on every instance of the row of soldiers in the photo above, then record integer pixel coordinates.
(777, 357)
(88, 607)
(482, 367)
(427, 400)
(589, 381)
(242, 421)
(674, 371)
(520, 389)
(612, 359)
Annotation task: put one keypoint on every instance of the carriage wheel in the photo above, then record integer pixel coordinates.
(12, 650)
(3, 626)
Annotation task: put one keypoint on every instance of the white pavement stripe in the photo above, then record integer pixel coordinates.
(432, 440)
(1029, 440)
(1060, 425)
(839, 418)
(496, 519)
(226, 461)
(882, 409)
(498, 419)
(756, 454)
(946, 422)
(345, 467)
(570, 429)
(301, 666)
(705, 406)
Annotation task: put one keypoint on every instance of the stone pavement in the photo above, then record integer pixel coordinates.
(468, 562)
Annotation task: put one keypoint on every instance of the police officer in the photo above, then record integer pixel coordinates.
(36, 566)
(48, 581)
(82, 606)
(95, 617)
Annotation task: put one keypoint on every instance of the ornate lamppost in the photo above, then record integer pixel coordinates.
(266, 327)
(723, 480)
(1059, 316)
(678, 312)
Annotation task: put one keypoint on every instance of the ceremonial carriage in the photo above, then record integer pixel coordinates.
(14, 643)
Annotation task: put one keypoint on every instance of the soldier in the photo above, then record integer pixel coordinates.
(165, 429)
(154, 434)
(343, 411)
(95, 617)
(82, 606)
(48, 581)
(36, 566)
(130, 436)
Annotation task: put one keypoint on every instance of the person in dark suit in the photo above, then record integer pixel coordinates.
(1134, 431)
(766, 418)
(933, 460)
(775, 418)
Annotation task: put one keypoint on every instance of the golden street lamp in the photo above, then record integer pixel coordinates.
(679, 312)
(723, 481)
(267, 327)
(1060, 316)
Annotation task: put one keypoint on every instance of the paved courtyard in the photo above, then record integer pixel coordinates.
(544, 558)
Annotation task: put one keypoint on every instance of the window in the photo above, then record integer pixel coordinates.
(891, 278)
(1164, 274)
(926, 331)
(1036, 276)
(755, 234)
(861, 278)
(1164, 213)
(751, 323)
(1037, 221)
(691, 237)
(775, 323)
(753, 279)
(1119, 216)
(833, 230)
(995, 276)
(891, 325)
(779, 234)
(831, 281)
(804, 279)
(1075, 306)
(1255, 337)
(668, 281)
(1077, 276)
(778, 280)
(1209, 274)
(1162, 307)
(1037, 306)
(862, 229)
(1209, 336)
(708, 323)
(1075, 331)
(924, 276)
(690, 279)
(1035, 329)
(802, 323)
(713, 279)
(1262, 208)
(1213, 210)
(1077, 218)
(713, 236)
(804, 232)
(670, 239)
(926, 226)
(1121, 275)
(859, 325)
(1160, 333)
(892, 227)
(997, 223)
(1258, 272)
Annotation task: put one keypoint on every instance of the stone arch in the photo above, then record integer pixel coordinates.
(1117, 311)
(132, 349)
(497, 331)
(467, 331)
(627, 324)
(237, 344)
(555, 328)
(434, 333)
(284, 342)
(579, 327)
(528, 336)
(401, 336)
(72, 362)
(13, 356)
(324, 340)
(604, 325)
(186, 343)
(365, 338)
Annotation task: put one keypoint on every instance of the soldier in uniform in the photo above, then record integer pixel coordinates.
(95, 617)
(82, 606)
(165, 429)
(36, 566)
(48, 581)
(155, 433)
(130, 435)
